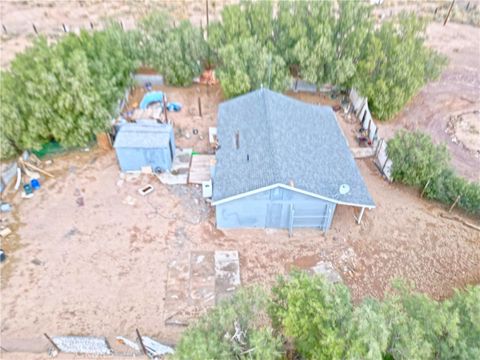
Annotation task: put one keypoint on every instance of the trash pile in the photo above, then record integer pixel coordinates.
(26, 176)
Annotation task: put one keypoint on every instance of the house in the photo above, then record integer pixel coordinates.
(145, 143)
(282, 163)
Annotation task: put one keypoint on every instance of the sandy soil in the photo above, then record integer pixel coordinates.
(48, 16)
(456, 92)
(92, 253)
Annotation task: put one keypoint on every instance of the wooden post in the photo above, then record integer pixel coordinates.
(361, 215)
(208, 22)
(199, 106)
(51, 342)
(91, 25)
(425, 188)
(165, 109)
(449, 11)
(454, 203)
(141, 342)
(65, 28)
(4, 29)
(384, 164)
(35, 29)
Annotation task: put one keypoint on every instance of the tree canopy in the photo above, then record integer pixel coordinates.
(311, 318)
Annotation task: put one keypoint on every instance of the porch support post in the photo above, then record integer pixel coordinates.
(361, 215)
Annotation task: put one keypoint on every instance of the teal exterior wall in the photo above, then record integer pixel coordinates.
(133, 159)
(276, 208)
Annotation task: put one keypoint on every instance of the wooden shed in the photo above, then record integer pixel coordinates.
(145, 144)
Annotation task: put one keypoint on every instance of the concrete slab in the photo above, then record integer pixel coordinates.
(178, 175)
(227, 274)
(196, 282)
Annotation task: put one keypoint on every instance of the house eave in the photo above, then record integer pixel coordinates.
(283, 186)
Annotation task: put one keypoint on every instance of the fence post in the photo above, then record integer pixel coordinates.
(141, 342)
(454, 203)
(35, 29)
(51, 342)
(425, 188)
(4, 29)
(199, 106)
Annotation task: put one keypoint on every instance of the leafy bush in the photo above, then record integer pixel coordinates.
(175, 52)
(65, 91)
(447, 186)
(235, 329)
(322, 323)
(418, 161)
(324, 42)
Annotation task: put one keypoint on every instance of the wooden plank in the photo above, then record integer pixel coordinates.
(200, 168)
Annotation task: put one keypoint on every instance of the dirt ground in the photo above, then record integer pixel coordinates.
(91, 254)
(456, 92)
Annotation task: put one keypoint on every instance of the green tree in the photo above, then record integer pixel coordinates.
(235, 329)
(395, 64)
(314, 313)
(416, 159)
(177, 53)
(246, 66)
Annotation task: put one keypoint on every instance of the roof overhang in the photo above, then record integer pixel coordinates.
(287, 187)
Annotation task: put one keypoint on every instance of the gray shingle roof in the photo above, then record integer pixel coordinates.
(285, 140)
(143, 135)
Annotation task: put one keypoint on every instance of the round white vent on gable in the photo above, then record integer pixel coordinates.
(344, 189)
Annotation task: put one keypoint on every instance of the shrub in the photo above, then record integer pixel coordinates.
(66, 91)
(235, 329)
(322, 323)
(416, 159)
(447, 186)
(419, 162)
(175, 52)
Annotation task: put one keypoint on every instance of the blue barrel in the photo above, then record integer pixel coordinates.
(35, 184)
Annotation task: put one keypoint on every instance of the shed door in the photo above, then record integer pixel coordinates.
(274, 215)
(306, 216)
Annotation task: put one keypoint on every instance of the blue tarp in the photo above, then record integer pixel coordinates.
(151, 97)
(174, 106)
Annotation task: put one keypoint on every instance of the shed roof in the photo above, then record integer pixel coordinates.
(143, 135)
(284, 141)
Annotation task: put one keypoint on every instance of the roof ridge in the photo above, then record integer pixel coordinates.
(271, 143)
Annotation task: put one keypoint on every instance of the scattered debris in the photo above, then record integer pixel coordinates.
(326, 269)
(37, 262)
(83, 344)
(5, 232)
(5, 207)
(145, 190)
(129, 343)
(80, 201)
(129, 200)
(174, 106)
(455, 218)
(154, 348)
(146, 170)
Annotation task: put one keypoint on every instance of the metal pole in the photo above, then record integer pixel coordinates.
(141, 342)
(449, 11)
(51, 342)
(361, 215)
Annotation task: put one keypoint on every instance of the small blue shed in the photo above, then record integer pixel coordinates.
(145, 143)
(282, 163)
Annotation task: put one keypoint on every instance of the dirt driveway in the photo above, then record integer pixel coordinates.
(456, 92)
(93, 253)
